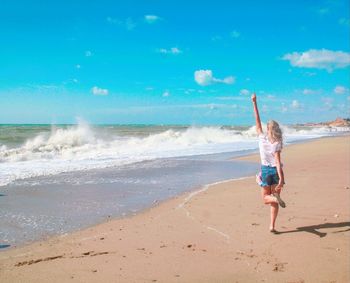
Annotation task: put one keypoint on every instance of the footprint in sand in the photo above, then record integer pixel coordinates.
(279, 267)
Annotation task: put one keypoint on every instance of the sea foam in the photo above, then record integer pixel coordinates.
(84, 147)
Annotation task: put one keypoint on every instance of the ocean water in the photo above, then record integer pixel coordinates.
(58, 178)
(42, 150)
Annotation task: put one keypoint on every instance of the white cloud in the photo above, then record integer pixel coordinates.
(344, 21)
(99, 91)
(113, 21)
(236, 98)
(88, 53)
(44, 87)
(228, 80)
(151, 19)
(210, 106)
(166, 93)
(129, 23)
(172, 50)
(235, 34)
(284, 108)
(328, 102)
(244, 92)
(308, 91)
(205, 77)
(341, 89)
(319, 59)
(323, 11)
(310, 74)
(216, 38)
(295, 104)
(265, 108)
(78, 66)
(327, 99)
(189, 91)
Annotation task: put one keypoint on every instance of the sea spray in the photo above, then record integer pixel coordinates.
(79, 147)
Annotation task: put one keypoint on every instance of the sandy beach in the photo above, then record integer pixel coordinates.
(218, 233)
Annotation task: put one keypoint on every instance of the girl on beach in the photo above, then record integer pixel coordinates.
(271, 177)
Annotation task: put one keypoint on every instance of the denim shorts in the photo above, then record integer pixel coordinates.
(269, 176)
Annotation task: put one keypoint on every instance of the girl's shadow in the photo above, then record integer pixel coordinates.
(313, 229)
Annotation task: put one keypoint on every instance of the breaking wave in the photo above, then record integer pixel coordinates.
(82, 147)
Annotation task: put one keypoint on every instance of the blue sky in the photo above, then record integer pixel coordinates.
(173, 62)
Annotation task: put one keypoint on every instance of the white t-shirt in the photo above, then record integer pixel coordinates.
(268, 150)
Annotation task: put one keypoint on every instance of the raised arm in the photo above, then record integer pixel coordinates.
(257, 117)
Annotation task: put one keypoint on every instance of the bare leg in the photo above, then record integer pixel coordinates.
(274, 211)
(266, 195)
(272, 201)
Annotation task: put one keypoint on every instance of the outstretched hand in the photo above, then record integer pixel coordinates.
(253, 97)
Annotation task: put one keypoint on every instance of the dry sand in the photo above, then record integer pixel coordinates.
(216, 234)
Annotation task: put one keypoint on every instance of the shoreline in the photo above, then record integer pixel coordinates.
(187, 195)
(204, 235)
(246, 155)
(108, 200)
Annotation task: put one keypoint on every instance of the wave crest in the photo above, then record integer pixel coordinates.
(82, 147)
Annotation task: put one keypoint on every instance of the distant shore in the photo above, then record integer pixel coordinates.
(217, 234)
(339, 122)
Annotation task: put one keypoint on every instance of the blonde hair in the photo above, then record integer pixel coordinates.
(275, 132)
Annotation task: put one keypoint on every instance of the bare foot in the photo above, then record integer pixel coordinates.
(279, 200)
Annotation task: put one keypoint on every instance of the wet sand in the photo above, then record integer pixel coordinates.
(216, 234)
